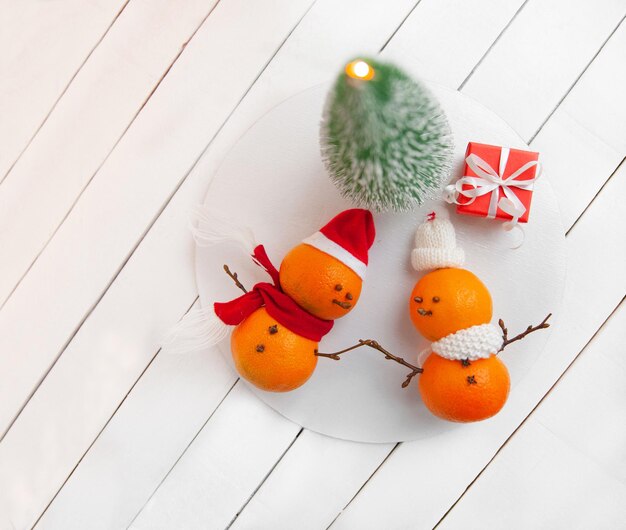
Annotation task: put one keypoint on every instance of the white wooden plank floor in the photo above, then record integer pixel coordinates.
(116, 113)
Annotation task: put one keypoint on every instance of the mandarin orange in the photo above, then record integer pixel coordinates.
(447, 300)
(464, 391)
(270, 356)
(319, 283)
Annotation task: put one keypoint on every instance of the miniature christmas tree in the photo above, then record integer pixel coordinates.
(385, 140)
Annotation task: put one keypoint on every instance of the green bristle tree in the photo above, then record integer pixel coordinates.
(385, 140)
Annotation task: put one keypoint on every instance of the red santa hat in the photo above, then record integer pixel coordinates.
(347, 237)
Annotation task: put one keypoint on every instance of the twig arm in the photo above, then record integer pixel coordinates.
(234, 277)
(415, 370)
(530, 329)
(335, 355)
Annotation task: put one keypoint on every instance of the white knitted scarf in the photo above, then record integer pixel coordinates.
(477, 342)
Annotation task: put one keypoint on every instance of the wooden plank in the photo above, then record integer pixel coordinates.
(322, 494)
(42, 46)
(234, 453)
(168, 135)
(166, 291)
(446, 40)
(150, 161)
(542, 482)
(456, 459)
(204, 489)
(594, 383)
(593, 119)
(89, 119)
(541, 475)
(524, 83)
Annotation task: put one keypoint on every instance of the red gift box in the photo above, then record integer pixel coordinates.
(497, 182)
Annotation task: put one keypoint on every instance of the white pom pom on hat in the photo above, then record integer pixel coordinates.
(435, 244)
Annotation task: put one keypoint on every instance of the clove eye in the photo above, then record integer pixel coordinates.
(435, 299)
(349, 296)
(418, 299)
(338, 287)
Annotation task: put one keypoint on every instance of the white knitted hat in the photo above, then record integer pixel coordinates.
(435, 245)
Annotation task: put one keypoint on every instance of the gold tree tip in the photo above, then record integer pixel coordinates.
(360, 70)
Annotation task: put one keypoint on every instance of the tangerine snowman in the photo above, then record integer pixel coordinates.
(463, 379)
(279, 324)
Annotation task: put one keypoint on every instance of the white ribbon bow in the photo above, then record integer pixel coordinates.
(488, 180)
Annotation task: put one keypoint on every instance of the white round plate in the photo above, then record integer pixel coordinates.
(274, 182)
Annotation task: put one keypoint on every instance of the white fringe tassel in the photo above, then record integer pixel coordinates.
(209, 229)
(423, 355)
(197, 330)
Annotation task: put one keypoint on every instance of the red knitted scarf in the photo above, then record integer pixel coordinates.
(278, 305)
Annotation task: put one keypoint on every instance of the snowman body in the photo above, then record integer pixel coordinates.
(269, 355)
